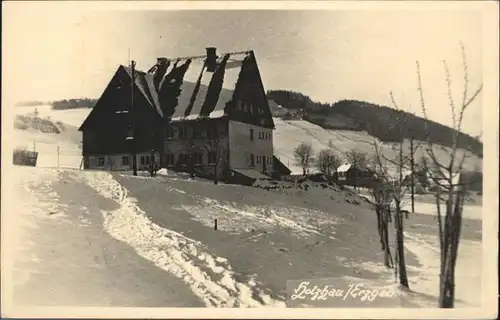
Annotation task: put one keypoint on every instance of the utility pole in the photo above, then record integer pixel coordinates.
(132, 118)
(412, 164)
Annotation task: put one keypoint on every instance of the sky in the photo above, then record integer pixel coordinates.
(55, 51)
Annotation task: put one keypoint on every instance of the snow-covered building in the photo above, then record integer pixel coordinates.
(354, 175)
(217, 114)
(207, 114)
(106, 132)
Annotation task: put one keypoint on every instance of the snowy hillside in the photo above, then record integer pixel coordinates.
(289, 134)
(73, 117)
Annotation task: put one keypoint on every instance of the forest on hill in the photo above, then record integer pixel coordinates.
(385, 123)
(73, 103)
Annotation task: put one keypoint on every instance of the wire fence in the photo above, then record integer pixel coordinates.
(53, 155)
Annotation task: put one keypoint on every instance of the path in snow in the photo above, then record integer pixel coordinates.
(175, 253)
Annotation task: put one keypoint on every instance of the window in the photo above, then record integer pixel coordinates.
(258, 159)
(125, 160)
(211, 131)
(252, 161)
(198, 131)
(269, 160)
(143, 162)
(169, 159)
(169, 132)
(212, 157)
(182, 160)
(251, 134)
(197, 158)
(100, 162)
(182, 132)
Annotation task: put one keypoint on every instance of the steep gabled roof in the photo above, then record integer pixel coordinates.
(183, 89)
(145, 83)
(201, 93)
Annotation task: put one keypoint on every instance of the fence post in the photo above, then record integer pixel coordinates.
(58, 156)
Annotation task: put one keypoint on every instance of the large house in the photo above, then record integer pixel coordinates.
(207, 113)
(106, 132)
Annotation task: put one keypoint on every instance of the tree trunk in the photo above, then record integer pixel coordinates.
(216, 181)
(387, 255)
(191, 167)
(451, 235)
(403, 276)
(384, 236)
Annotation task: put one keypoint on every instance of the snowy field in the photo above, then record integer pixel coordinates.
(474, 212)
(214, 277)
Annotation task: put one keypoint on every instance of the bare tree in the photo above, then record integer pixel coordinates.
(328, 161)
(304, 156)
(217, 153)
(382, 199)
(390, 193)
(446, 174)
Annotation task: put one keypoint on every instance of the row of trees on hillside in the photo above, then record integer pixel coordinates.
(327, 160)
(73, 103)
(391, 188)
(375, 119)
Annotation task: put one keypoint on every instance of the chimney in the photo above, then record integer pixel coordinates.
(211, 59)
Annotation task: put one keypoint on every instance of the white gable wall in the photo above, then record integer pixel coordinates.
(241, 147)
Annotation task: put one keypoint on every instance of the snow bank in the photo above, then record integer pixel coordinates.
(173, 252)
(162, 172)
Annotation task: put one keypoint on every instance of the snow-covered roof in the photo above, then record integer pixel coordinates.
(344, 167)
(202, 93)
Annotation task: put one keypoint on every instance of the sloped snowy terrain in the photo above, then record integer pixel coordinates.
(264, 238)
(289, 134)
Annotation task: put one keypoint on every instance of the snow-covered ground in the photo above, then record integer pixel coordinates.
(289, 134)
(174, 252)
(74, 117)
(211, 277)
(468, 271)
(474, 212)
